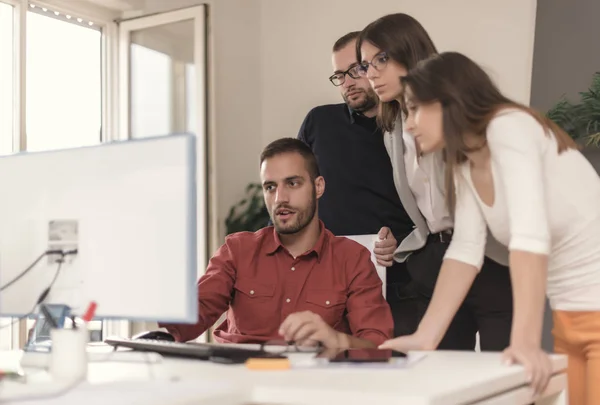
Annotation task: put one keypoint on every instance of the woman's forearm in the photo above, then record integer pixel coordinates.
(528, 273)
(452, 285)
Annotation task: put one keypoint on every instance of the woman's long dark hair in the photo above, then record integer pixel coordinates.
(406, 42)
(469, 100)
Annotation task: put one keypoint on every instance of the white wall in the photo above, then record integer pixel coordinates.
(271, 61)
(297, 37)
(238, 100)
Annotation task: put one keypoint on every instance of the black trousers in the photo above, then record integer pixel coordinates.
(404, 300)
(487, 309)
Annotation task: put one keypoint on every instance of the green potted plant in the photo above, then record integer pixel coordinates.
(249, 214)
(580, 120)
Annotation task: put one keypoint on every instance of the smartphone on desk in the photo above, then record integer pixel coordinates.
(366, 356)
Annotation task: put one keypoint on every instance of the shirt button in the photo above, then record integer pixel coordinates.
(288, 300)
(293, 268)
(251, 292)
(327, 302)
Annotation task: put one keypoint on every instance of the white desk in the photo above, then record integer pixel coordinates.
(443, 378)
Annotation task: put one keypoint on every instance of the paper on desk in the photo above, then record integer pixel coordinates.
(148, 392)
(368, 241)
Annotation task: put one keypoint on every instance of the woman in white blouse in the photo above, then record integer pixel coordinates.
(516, 172)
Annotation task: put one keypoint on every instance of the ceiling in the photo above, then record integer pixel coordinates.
(119, 5)
(122, 9)
(133, 7)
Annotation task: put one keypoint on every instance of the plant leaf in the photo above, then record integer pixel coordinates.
(250, 213)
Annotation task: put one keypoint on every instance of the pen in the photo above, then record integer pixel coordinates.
(89, 313)
(11, 374)
(48, 316)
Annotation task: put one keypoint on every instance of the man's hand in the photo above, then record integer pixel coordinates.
(385, 247)
(306, 328)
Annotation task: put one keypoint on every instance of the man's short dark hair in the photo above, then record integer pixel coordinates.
(292, 145)
(345, 40)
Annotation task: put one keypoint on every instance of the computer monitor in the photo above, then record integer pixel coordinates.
(129, 208)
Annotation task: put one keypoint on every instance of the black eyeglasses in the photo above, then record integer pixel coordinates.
(337, 79)
(282, 346)
(378, 62)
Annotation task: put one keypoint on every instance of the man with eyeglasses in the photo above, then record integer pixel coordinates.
(293, 281)
(361, 197)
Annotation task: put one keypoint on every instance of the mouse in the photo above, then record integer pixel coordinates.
(155, 335)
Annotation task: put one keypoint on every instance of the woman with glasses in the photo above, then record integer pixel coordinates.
(386, 49)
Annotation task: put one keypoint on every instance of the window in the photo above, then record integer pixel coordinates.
(7, 84)
(162, 79)
(64, 82)
(151, 83)
(7, 80)
(64, 89)
(190, 97)
(70, 78)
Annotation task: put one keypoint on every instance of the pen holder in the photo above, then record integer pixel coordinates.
(68, 358)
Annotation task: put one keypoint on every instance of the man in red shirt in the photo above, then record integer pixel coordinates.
(294, 281)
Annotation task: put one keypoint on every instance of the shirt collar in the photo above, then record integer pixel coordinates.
(350, 113)
(274, 243)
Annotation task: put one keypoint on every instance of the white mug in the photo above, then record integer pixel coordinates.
(68, 356)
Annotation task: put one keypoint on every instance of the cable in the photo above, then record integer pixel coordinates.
(39, 301)
(46, 291)
(31, 266)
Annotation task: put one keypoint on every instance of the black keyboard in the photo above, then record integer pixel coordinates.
(200, 351)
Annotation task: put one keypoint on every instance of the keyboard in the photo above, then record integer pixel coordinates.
(200, 351)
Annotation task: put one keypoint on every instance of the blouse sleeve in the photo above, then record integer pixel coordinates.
(517, 142)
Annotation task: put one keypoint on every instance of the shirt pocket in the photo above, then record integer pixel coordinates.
(330, 305)
(253, 307)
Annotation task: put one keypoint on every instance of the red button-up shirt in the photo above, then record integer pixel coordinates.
(259, 283)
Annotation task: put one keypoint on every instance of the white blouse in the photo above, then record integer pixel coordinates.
(544, 202)
(424, 184)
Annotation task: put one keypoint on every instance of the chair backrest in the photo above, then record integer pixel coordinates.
(368, 241)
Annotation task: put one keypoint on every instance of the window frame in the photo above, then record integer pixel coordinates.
(113, 111)
(201, 48)
(106, 23)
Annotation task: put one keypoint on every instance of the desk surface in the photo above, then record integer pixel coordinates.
(439, 378)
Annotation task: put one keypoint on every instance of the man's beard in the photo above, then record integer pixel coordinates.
(302, 218)
(365, 103)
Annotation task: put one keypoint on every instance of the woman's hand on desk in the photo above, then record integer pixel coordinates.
(407, 343)
(536, 362)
